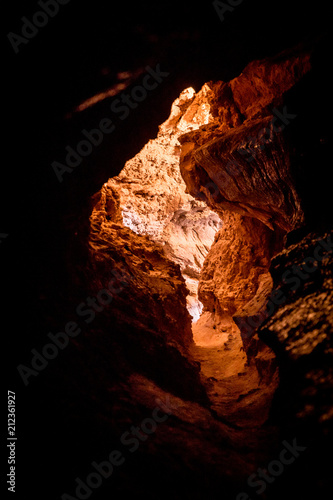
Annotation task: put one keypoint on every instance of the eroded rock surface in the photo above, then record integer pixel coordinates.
(219, 221)
(301, 328)
(240, 165)
(236, 264)
(153, 200)
(240, 161)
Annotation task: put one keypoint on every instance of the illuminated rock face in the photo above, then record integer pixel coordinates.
(237, 262)
(150, 280)
(240, 165)
(153, 200)
(194, 198)
(179, 214)
(241, 161)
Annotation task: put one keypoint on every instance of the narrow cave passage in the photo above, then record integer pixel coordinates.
(233, 384)
(154, 202)
(186, 238)
(151, 223)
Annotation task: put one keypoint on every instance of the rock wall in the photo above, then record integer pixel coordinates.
(214, 200)
(300, 329)
(144, 286)
(243, 151)
(240, 165)
(153, 200)
(236, 264)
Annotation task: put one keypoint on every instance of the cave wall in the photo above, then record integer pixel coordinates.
(243, 151)
(237, 263)
(245, 165)
(140, 225)
(300, 329)
(153, 200)
(151, 327)
(270, 184)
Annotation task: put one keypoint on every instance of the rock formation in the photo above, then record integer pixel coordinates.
(240, 165)
(209, 204)
(152, 197)
(243, 151)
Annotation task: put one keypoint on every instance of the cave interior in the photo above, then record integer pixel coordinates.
(192, 248)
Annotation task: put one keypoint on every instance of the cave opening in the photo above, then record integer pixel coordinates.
(186, 239)
(153, 201)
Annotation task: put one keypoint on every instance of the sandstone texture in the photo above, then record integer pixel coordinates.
(153, 200)
(240, 164)
(237, 263)
(240, 161)
(194, 235)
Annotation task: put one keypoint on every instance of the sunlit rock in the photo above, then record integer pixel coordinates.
(241, 160)
(190, 208)
(153, 199)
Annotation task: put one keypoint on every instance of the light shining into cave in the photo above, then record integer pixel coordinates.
(154, 200)
(186, 238)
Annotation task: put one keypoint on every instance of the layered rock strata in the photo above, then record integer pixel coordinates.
(243, 151)
(240, 165)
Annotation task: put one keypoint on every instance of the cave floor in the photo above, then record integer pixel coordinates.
(234, 387)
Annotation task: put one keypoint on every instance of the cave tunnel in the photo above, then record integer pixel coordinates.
(172, 235)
